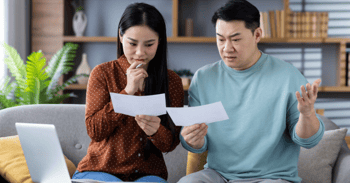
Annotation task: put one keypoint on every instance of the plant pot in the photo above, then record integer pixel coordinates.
(79, 23)
(83, 68)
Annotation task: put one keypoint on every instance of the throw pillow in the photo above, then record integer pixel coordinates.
(195, 162)
(316, 164)
(13, 166)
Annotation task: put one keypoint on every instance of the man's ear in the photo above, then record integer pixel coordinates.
(257, 34)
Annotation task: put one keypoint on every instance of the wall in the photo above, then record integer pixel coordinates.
(313, 60)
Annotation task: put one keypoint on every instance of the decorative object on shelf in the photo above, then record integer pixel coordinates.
(185, 75)
(189, 27)
(33, 83)
(83, 68)
(79, 19)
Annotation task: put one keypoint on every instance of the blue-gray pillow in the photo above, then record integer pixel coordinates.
(316, 164)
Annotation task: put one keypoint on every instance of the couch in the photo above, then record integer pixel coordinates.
(70, 126)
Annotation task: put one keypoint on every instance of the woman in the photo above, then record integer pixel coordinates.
(122, 147)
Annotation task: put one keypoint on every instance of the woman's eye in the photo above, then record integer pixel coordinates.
(132, 44)
(221, 40)
(149, 45)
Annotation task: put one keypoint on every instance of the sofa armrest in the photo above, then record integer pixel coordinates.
(342, 167)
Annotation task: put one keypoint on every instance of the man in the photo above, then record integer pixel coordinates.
(269, 117)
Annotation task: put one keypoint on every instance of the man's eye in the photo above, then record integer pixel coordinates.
(221, 40)
(236, 40)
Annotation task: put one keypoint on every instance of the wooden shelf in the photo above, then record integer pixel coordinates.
(321, 89)
(76, 87)
(334, 89)
(83, 87)
(191, 39)
(89, 39)
(211, 40)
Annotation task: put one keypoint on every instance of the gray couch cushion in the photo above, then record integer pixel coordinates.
(69, 120)
(316, 164)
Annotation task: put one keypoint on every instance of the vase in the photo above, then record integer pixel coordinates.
(79, 23)
(186, 81)
(189, 27)
(83, 68)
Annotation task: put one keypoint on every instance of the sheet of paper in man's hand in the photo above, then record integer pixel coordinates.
(186, 116)
(152, 105)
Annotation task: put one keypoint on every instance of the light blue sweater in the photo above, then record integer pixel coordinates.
(259, 138)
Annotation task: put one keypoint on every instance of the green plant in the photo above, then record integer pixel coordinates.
(183, 72)
(77, 5)
(80, 8)
(34, 83)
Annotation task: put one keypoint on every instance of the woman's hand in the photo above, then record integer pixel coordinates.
(149, 124)
(135, 78)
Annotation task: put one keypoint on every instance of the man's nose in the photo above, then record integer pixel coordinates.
(228, 47)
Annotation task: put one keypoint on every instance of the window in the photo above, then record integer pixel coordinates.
(2, 39)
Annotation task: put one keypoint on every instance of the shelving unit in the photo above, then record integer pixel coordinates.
(49, 41)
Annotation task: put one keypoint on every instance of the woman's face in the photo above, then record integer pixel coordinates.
(140, 43)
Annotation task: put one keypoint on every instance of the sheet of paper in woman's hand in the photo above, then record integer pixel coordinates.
(152, 105)
(186, 116)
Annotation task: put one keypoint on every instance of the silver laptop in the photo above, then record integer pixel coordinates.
(43, 154)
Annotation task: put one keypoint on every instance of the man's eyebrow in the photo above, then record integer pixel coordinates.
(145, 41)
(233, 35)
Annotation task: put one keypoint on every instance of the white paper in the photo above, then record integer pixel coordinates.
(152, 105)
(186, 116)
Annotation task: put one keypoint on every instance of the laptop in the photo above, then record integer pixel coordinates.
(43, 153)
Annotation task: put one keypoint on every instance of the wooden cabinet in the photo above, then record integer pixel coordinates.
(52, 27)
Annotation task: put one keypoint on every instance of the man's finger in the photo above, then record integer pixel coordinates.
(317, 82)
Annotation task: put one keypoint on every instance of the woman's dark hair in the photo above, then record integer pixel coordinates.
(157, 80)
(239, 10)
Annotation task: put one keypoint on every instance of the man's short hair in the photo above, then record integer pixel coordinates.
(239, 10)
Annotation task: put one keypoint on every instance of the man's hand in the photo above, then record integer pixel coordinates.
(194, 135)
(149, 124)
(307, 101)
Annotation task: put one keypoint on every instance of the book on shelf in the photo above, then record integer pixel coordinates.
(272, 24)
(262, 26)
(267, 25)
(325, 24)
(278, 23)
(283, 25)
(313, 24)
(293, 24)
(308, 24)
(347, 70)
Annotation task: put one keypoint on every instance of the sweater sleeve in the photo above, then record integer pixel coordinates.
(193, 100)
(292, 120)
(100, 118)
(163, 138)
(293, 114)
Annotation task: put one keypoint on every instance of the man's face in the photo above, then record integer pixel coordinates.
(237, 45)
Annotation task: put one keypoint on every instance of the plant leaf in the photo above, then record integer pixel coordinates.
(61, 64)
(6, 89)
(15, 64)
(36, 74)
(67, 83)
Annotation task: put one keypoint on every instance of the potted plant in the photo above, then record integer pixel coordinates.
(34, 83)
(185, 75)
